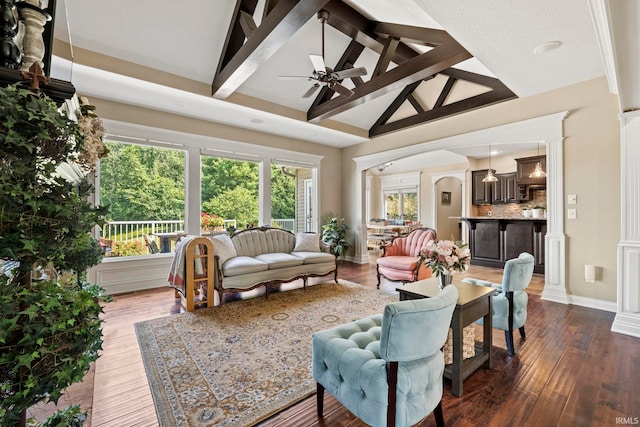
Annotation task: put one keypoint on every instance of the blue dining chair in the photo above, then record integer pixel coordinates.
(509, 302)
(387, 369)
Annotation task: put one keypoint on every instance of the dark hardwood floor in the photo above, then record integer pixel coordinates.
(571, 371)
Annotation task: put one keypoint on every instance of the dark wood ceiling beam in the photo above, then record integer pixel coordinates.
(287, 17)
(410, 34)
(385, 57)
(474, 78)
(247, 23)
(235, 35)
(415, 69)
(415, 104)
(397, 102)
(462, 106)
(444, 93)
(351, 23)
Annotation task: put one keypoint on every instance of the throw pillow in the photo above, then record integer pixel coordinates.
(223, 247)
(307, 242)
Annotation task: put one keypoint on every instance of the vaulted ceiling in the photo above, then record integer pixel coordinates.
(221, 60)
(410, 58)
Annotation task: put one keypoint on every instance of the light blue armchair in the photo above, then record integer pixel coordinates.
(387, 369)
(509, 303)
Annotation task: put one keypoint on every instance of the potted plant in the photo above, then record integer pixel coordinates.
(334, 233)
(49, 328)
(211, 222)
(526, 212)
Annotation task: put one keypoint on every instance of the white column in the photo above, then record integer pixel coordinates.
(555, 253)
(193, 192)
(627, 319)
(361, 253)
(264, 193)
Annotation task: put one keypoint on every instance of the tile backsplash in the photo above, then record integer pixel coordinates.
(511, 210)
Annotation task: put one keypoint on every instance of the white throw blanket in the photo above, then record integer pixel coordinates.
(176, 271)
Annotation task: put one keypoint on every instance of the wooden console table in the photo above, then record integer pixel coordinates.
(474, 302)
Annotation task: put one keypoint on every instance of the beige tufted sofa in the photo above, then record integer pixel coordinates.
(266, 256)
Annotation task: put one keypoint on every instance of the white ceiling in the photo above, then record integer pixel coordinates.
(186, 40)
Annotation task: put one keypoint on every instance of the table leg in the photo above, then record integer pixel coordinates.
(456, 366)
(165, 244)
(487, 336)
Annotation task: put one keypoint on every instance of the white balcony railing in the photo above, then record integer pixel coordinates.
(134, 231)
(287, 224)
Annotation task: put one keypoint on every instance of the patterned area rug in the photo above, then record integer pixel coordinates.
(238, 364)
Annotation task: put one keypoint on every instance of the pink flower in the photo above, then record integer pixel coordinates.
(445, 257)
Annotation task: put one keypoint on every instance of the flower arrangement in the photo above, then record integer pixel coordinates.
(445, 257)
(211, 221)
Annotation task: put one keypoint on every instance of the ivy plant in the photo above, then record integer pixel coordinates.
(49, 329)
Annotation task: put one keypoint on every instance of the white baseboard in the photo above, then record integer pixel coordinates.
(593, 303)
(626, 324)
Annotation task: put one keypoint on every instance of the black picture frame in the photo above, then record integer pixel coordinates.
(446, 197)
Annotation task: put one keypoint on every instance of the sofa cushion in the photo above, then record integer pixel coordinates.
(258, 241)
(243, 265)
(314, 257)
(307, 242)
(279, 260)
(223, 247)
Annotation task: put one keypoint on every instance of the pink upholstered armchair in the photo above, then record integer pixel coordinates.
(399, 259)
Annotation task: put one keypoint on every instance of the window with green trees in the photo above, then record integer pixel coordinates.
(146, 189)
(229, 189)
(142, 183)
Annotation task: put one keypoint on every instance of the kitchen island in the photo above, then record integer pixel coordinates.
(494, 240)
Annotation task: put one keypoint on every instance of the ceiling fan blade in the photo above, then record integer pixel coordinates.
(349, 72)
(318, 64)
(341, 89)
(294, 77)
(311, 91)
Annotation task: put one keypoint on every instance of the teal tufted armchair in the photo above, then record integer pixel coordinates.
(387, 369)
(509, 303)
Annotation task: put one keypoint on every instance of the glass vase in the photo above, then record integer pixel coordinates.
(444, 280)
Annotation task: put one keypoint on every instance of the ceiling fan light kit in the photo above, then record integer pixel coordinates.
(325, 76)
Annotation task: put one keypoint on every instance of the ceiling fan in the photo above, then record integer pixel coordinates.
(325, 76)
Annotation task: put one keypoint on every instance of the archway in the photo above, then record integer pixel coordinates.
(546, 130)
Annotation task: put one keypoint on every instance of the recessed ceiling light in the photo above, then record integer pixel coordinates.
(257, 121)
(546, 47)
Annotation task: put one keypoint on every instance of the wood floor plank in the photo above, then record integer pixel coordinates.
(571, 369)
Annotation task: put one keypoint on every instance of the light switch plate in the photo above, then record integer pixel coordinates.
(572, 213)
(572, 199)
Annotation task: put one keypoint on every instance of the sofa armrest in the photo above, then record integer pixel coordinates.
(326, 247)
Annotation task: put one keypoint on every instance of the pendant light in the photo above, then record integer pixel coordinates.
(490, 176)
(538, 172)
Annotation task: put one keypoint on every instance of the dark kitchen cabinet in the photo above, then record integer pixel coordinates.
(480, 191)
(484, 242)
(526, 166)
(492, 242)
(505, 190)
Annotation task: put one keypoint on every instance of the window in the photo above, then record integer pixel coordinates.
(401, 204)
(401, 196)
(148, 174)
(284, 196)
(229, 190)
(144, 189)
